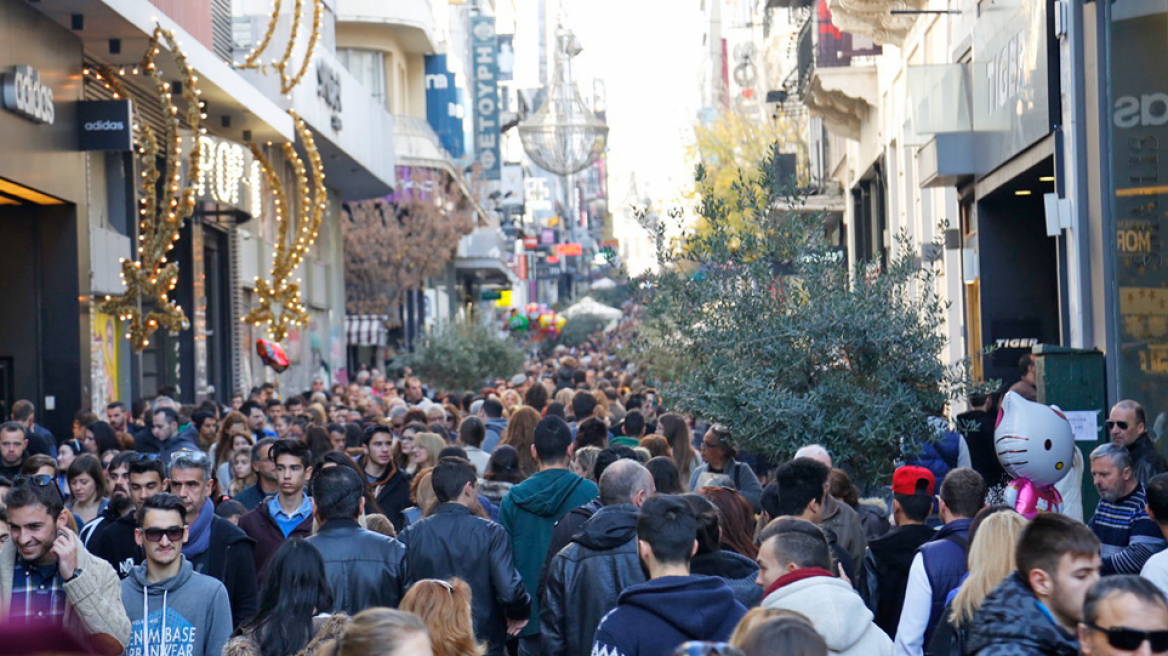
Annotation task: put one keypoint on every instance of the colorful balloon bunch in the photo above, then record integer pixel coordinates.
(546, 322)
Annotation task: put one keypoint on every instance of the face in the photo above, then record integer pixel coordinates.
(65, 457)
(337, 441)
(162, 523)
(263, 466)
(188, 485)
(3, 532)
(208, 431)
(380, 449)
(33, 530)
(413, 391)
(255, 420)
(143, 486)
(276, 411)
(116, 417)
(119, 481)
(1122, 610)
(240, 442)
(82, 486)
(12, 447)
(89, 442)
(1122, 426)
(163, 430)
(1112, 483)
(236, 402)
(1067, 589)
(241, 466)
(769, 569)
(421, 455)
(296, 432)
(711, 452)
(292, 474)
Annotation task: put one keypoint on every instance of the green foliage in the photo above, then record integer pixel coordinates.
(462, 355)
(579, 328)
(756, 322)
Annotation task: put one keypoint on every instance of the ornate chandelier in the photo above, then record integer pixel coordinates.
(563, 136)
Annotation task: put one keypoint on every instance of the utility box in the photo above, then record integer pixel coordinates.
(1073, 379)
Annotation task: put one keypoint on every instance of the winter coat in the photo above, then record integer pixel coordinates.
(1010, 623)
(586, 578)
(837, 613)
(653, 618)
(740, 474)
(843, 520)
(568, 526)
(886, 567)
(186, 614)
(496, 491)
(93, 605)
(231, 560)
(364, 568)
(874, 518)
(262, 527)
(529, 513)
(1146, 460)
(393, 497)
(325, 628)
(116, 545)
(452, 542)
(738, 571)
(944, 558)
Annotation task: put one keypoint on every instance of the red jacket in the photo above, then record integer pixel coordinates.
(262, 527)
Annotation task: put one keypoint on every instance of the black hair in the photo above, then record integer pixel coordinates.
(199, 417)
(294, 400)
(492, 408)
(536, 396)
(337, 492)
(450, 477)
(1137, 586)
(634, 402)
(504, 466)
(591, 432)
(352, 434)
(555, 409)
(611, 455)
(800, 481)
(798, 541)
(120, 460)
(963, 492)
(169, 413)
(583, 405)
(704, 510)
(666, 478)
(115, 405)
(1024, 363)
(295, 589)
(453, 452)
(1157, 491)
(229, 508)
(162, 501)
(250, 405)
(271, 403)
(104, 437)
(1047, 538)
(552, 439)
(670, 527)
(141, 465)
(769, 501)
(30, 494)
(472, 431)
(291, 447)
(634, 423)
(916, 507)
(259, 445)
(372, 430)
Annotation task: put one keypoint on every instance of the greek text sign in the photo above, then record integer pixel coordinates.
(485, 64)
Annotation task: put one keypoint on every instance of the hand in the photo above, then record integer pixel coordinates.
(843, 576)
(65, 549)
(515, 626)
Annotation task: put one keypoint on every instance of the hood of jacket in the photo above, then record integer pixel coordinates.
(546, 492)
(1011, 615)
(496, 424)
(138, 582)
(609, 528)
(724, 563)
(838, 613)
(695, 606)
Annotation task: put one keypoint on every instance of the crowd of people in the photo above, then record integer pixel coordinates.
(562, 512)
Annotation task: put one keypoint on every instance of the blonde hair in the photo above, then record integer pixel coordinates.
(379, 523)
(445, 608)
(564, 397)
(379, 632)
(520, 433)
(756, 616)
(432, 443)
(585, 459)
(510, 399)
(601, 411)
(991, 559)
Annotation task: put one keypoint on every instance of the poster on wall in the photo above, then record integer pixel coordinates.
(104, 331)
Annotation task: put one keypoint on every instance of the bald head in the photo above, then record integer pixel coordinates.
(625, 481)
(816, 452)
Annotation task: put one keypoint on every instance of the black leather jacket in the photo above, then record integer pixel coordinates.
(364, 569)
(452, 542)
(585, 580)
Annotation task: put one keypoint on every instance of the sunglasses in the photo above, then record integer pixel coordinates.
(174, 534)
(1122, 425)
(698, 648)
(40, 480)
(146, 457)
(1126, 639)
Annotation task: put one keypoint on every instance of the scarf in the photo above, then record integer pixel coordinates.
(200, 535)
(797, 575)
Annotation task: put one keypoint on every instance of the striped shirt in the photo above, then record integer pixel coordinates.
(38, 594)
(1129, 538)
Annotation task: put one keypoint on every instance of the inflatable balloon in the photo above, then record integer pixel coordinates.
(519, 323)
(272, 355)
(560, 322)
(1035, 445)
(546, 320)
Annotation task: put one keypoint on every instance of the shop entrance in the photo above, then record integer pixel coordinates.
(1019, 271)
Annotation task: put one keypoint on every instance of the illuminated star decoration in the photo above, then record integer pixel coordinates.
(163, 207)
(280, 305)
(284, 63)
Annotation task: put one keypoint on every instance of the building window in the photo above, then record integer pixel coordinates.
(368, 66)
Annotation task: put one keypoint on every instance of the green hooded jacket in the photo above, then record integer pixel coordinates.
(529, 513)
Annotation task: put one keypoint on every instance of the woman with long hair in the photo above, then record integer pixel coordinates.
(445, 608)
(232, 433)
(536, 397)
(88, 496)
(243, 473)
(425, 452)
(520, 433)
(318, 440)
(98, 438)
(657, 445)
(665, 477)
(675, 430)
(712, 559)
(503, 472)
(66, 453)
(737, 519)
(294, 603)
(993, 536)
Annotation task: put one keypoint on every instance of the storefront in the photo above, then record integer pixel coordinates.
(43, 219)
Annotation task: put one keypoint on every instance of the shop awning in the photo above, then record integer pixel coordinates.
(366, 330)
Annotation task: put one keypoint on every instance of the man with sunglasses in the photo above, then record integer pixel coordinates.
(1126, 426)
(1124, 615)
(173, 608)
(48, 577)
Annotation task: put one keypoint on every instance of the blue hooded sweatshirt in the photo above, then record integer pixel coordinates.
(186, 615)
(653, 618)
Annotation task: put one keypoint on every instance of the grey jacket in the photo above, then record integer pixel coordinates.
(188, 613)
(741, 474)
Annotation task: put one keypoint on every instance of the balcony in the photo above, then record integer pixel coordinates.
(836, 74)
(417, 144)
(412, 21)
(874, 18)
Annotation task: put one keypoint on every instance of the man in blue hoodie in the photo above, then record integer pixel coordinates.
(531, 509)
(172, 608)
(491, 412)
(673, 607)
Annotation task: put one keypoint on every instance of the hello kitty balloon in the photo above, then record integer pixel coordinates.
(1035, 445)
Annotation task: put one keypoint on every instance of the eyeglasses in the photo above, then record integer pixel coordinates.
(174, 534)
(1122, 425)
(40, 480)
(1126, 639)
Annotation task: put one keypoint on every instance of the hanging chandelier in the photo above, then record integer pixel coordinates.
(563, 136)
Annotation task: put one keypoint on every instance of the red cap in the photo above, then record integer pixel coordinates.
(905, 480)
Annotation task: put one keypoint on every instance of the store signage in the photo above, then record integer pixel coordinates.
(568, 250)
(444, 110)
(105, 125)
(547, 236)
(25, 95)
(531, 243)
(328, 86)
(485, 64)
(230, 175)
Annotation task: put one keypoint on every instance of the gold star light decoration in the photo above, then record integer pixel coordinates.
(284, 64)
(166, 199)
(280, 305)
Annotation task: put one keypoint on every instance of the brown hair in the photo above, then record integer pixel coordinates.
(445, 608)
(379, 632)
(760, 615)
(379, 523)
(224, 443)
(657, 446)
(520, 433)
(677, 433)
(737, 519)
(1047, 538)
(422, 491)
(840, 486)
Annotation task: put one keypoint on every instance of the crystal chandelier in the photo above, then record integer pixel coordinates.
(563, 136)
